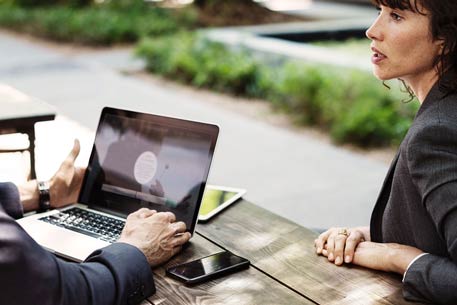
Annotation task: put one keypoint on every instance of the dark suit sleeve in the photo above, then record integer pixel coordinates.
(117, 274)
(9, 199)
(432, 161)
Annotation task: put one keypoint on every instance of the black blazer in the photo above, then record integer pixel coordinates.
(417, 205)
(118, 274)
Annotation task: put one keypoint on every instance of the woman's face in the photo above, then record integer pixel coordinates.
(403, 46)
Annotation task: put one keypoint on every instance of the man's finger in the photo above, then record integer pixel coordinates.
(180, 239)
(178, 227)
(147, 213)
(175, 250)
(80, 171)
(142, 213)
(171, 216)
(74, 152)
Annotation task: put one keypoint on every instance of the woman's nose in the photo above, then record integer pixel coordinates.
(374, 32)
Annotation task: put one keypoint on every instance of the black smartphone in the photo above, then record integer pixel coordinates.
(208, 267)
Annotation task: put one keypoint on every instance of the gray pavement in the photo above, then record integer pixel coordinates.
(303, 179)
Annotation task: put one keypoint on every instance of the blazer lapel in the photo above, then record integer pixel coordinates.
(381, 202)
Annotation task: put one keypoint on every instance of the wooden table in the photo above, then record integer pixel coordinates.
(284, 267)
(19, 113)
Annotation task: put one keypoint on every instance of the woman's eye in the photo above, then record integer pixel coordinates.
(395, 16)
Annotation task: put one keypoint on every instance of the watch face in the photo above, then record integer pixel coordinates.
(43, 186)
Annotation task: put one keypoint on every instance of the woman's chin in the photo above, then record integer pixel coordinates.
(381, 75)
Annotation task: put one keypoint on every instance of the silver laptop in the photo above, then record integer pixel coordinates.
(138, 160)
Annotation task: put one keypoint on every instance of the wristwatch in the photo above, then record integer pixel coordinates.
(44, 202)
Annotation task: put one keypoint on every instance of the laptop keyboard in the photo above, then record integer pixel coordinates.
(82, 221)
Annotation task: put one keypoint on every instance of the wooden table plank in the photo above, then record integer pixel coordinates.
(17, 104)
(19, 114)
(246, 287)
(285, 250)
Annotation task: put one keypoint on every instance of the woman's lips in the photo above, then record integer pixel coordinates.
(377, 56)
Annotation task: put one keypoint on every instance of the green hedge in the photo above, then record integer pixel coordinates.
(96, 24)
(187, 59)
(353, 105)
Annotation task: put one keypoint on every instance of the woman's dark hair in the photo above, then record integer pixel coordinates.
(443, 27)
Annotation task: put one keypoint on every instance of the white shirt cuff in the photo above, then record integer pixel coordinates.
(412, 262)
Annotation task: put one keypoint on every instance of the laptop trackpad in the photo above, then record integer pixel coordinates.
(63, 242)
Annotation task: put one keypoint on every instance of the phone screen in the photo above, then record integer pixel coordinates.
(208, 267)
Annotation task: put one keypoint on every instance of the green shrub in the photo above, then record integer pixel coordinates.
(224, 70)
(35, 3)
(295, 91)
(98, 24)
(168, 55)
(368, 114)
(352, 105)
(368, 122)
(190, 59)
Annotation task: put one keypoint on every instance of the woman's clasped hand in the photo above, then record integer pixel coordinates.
(339, 244)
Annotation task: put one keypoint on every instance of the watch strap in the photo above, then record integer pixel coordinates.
(44, 202)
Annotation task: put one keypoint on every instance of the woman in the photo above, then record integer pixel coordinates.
(413, 229)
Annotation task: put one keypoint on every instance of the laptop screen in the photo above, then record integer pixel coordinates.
(144, 160)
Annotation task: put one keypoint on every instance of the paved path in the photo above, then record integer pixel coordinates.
(308, 181)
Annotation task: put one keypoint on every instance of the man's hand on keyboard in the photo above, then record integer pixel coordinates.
(157, 235)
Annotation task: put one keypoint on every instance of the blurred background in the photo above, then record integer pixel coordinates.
(305, 127)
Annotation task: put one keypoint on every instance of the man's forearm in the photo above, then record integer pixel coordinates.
(29, 195)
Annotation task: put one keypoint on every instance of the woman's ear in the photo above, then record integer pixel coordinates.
(441, 44)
